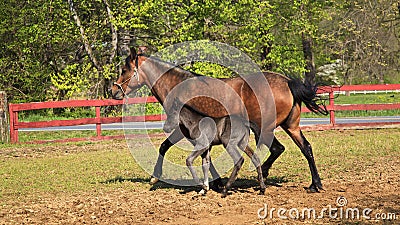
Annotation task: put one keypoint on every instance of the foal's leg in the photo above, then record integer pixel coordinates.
(216, 177)
(238, 160)
(256, 162)
(176, 136)
(206, 168)
(210, 167)
(189, 163)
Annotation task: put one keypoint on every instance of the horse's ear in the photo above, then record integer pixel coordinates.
(142, 49)
(133, 53)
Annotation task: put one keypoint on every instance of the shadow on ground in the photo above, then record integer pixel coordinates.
(242, 185)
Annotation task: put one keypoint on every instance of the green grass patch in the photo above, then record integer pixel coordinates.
(29, 136)
(79, 171)
(32, 170)
(368, 98)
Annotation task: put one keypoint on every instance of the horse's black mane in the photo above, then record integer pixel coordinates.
(175, 67)
(127, 62)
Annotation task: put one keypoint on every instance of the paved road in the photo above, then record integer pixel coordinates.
(158, 125)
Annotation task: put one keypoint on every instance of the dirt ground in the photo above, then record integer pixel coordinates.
(376, 193)
(243, 206)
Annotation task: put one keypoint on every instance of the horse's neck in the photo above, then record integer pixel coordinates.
(162, 77)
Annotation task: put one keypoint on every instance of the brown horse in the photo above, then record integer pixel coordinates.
(286, 94)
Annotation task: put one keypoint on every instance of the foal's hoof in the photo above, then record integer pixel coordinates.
(263, 191)
(154, 180)
(203, 191)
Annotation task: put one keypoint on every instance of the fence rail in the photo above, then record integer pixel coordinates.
(15, 125)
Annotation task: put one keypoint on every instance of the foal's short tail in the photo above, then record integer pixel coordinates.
(307, 93)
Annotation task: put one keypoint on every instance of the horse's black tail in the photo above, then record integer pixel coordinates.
(307, 93)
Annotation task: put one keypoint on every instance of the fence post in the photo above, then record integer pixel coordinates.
(332, 111)
(4, 119)
(98, 122)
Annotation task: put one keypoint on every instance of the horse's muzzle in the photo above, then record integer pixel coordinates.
(118, 95)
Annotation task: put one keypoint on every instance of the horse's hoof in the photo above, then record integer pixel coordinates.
(224, 193)
(154, 180)
(218, 183)
(312, 189)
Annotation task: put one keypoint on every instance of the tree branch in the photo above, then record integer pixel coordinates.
(114, 35)
(88, 48)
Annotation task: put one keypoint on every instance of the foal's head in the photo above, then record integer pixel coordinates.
(130, 79)
(172, 112)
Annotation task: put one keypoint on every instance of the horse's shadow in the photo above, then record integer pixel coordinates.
(243, 185)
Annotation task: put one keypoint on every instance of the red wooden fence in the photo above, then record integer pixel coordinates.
(98, 120)
(353, 107)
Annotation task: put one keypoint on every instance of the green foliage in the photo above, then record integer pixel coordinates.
(61, 168)
(43, 56)
(210, 69)
(69, 80)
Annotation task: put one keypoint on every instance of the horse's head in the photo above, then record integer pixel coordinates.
(172, 121)
(130, 78)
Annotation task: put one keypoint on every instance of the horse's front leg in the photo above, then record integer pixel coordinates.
(170, 141)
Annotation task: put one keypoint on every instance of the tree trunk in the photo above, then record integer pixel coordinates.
(4, 119)
(309, 57)
(86, 43)
(125, 42)
(114, 35)
(266, 50)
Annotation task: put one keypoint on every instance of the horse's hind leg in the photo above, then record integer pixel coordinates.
(306, 149)
(170, 141)
(276, 150)
(256, 162)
